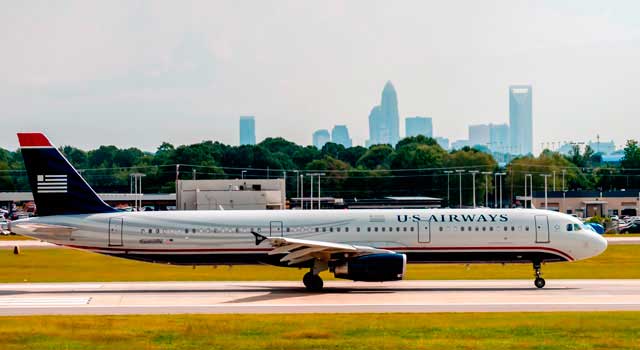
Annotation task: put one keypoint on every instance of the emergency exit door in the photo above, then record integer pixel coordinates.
(542, 229)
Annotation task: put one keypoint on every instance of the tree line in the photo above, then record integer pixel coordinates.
(416, 166)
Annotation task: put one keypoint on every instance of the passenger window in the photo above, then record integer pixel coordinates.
(461, 228)
(506, 228)
(186, 230)
(288, 229)
(484, 228)
(375, 229)
(317, 229)
(470, 229)
(357, 229)
(404, 229)
(324, 229)
(477, 228)
(411, 229)
(526, 228)
(513, 228)
(142, 231)
(569, 227)
(330, 229)
(157, 230)
(490, 228)
(382, 229)
(440, 228)
(368, 229)
(193, 230)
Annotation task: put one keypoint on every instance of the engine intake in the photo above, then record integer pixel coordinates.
(372, 268)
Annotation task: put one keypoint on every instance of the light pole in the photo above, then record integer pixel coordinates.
(448, 172)
(501, 175)
(318, 175)
(459, 171)
(554, 181)
(473, 175)
(531, 190)
(495, 190)
(137, 187)
(486, 188)
(563, 172)
(546, 202)
(301, 192)
(311, 194)
(297, 184)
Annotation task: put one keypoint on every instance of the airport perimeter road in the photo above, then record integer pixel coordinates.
(290, 297)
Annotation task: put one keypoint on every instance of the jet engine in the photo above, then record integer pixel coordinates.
(372, 268)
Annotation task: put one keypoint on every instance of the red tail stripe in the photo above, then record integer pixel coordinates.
(33, 139)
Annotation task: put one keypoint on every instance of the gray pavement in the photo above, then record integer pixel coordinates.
(339, 297)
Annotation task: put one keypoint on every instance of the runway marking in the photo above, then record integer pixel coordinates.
(8, 302)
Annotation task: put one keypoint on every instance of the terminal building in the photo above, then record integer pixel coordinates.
(239, 194)
(590, 203)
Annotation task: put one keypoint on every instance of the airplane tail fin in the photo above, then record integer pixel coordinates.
(57, 187)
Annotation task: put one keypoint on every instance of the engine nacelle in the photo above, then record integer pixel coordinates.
(372, 268)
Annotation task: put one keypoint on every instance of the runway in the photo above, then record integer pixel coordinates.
(339, 297)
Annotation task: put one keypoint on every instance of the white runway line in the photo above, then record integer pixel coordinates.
(7, 302)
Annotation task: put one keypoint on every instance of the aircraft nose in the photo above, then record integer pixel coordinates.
(599, 244)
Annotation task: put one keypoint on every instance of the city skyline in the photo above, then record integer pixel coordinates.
(179, 72)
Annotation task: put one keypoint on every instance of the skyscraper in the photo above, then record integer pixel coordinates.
(520, 119)
(340, 135)
(376, 126)
(443, 142)
(247, 130)
(384, 120)
(320, 137)
(389, 107)
(418, 126)
(499, 138)
(479, 134)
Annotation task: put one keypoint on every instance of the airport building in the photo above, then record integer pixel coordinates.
(247, 130)
(239, 194)
(590, 203)
(520, 120)
(152, 201)
(418, 126)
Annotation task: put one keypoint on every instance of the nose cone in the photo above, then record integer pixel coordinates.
(598, 245)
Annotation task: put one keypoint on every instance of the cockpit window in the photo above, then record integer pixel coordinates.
(569, 227)
(576, 227)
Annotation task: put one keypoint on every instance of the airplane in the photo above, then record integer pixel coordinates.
(359, 245)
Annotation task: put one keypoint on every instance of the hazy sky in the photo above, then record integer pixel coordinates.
(136, 73)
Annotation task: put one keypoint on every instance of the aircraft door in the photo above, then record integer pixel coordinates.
(424, 232)
(276, 229)
(542, 229)
(115, 232)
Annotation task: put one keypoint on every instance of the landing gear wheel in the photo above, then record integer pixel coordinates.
(312, 282)
(539, 281)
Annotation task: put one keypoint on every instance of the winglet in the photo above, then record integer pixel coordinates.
(259, 238)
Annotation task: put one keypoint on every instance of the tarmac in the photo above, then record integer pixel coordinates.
(338, 297)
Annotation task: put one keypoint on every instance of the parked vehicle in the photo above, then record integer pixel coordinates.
(4, 227)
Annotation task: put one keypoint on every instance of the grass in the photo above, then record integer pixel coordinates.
(621, 235)
(583, 330)
(14, 238)
(67, 265)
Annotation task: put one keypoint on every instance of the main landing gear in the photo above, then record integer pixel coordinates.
(312, 282)
(539, 281)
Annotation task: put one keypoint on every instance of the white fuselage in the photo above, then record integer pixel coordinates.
(424, 235)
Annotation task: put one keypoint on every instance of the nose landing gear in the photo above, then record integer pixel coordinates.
(539, 281)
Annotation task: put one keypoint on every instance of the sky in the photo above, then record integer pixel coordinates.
(137, 73)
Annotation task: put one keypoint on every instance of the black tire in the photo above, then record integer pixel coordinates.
(306, 280)
(312, 282)
(539, 282)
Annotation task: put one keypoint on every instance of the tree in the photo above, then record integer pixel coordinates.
(376, 157)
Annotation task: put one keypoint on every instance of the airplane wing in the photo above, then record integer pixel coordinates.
(301, 250)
